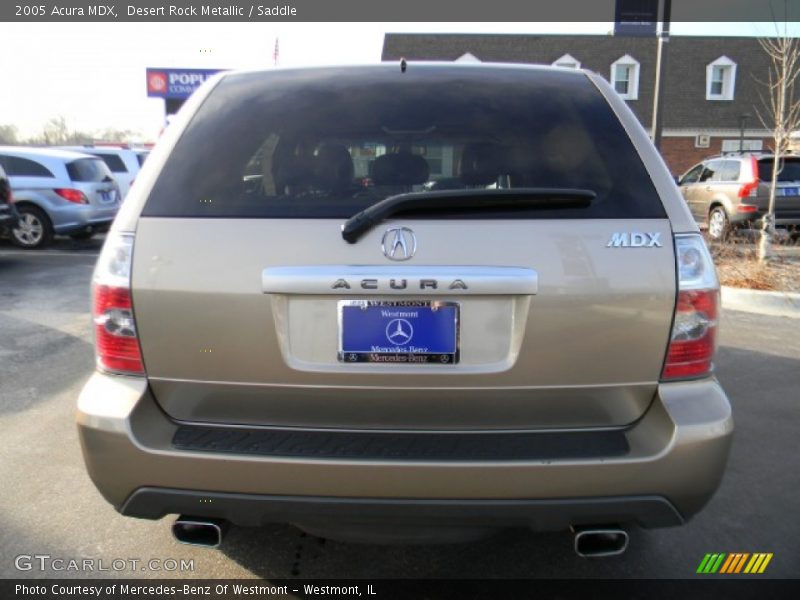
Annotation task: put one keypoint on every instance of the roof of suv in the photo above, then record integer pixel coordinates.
(744, 155)
(43, 152)
(89, 148)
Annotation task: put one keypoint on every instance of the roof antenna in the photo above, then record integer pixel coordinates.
(403, 65)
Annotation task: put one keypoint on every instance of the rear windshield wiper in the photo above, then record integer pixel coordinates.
(464, 200)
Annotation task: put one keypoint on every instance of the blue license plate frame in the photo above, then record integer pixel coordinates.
(406, 332)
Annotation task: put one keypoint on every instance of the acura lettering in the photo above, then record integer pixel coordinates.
(397, 284)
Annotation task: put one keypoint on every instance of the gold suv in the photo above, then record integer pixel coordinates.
(295, 323)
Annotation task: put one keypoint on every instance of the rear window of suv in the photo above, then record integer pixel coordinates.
(88, 170)
(327, 143)
(789, 172)
(113, 162)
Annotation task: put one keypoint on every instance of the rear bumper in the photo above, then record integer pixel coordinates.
(755, 220)
(81, 217)
(542, 515)
(674, 462)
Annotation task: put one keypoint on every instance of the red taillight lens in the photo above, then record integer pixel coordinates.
(70, 195)
(693, 335)
(694, 327)
(116, 341)
(749, 190)
(746, 208)
(115, 331)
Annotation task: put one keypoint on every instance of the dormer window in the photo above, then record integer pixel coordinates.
(568, 62)
(625, 77)
(720, 79)
(468, 57)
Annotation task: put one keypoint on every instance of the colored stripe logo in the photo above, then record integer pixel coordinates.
(734, 563)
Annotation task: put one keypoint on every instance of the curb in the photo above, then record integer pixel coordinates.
(776, 304)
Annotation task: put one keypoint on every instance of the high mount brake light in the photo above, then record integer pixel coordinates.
(116, 341)
(694, 327)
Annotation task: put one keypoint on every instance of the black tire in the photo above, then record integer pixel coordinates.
(83, 235)
(34, 230)
(719, 225)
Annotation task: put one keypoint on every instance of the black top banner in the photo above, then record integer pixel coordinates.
(372, 10)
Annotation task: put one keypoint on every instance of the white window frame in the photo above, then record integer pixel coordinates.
(633, 82)
(567, 62)
(728, 79)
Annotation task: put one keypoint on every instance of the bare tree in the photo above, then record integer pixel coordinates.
(56, 131)
(783, 115)
(8, 134)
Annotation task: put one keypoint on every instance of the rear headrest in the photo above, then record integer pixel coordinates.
(480, 164)
(333, 167)
(399, 169)
(291, 171)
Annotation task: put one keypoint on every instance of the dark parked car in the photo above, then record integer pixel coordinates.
(8, 212)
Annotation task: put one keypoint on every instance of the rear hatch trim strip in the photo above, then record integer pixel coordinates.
(400, 280)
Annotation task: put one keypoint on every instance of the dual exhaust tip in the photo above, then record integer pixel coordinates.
(196, 531)
(599, 542)
(590, 542)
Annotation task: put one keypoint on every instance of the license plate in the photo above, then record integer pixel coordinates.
(789, 191)
(108, 196)
(401, 331)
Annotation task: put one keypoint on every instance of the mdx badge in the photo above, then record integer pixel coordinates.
(399, 243)
(635, 239)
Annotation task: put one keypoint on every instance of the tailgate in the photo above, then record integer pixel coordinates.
(249, 331)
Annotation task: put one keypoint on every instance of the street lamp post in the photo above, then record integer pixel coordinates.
(742, 119)
(661, 59)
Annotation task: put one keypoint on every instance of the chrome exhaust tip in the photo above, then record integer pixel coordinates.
(599, 542)
(197, 531)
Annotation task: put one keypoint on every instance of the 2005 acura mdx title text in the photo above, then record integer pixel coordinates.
(294, 324)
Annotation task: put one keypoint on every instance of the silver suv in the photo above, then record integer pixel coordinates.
(58, 192)
(123, 163)
(732, 192)
(294, 324)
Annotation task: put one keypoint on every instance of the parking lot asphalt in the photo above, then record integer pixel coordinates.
(48, 505)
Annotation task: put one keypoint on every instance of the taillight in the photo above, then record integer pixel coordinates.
(750, 189)
(694, 327)
(70, 195)
(746, 208)
(116, 342)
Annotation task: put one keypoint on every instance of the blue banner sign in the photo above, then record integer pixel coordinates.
(176, 83)
(637, 18)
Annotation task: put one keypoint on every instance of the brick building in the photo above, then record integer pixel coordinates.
(710, 83)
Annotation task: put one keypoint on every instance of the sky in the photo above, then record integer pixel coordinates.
(93, 74)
